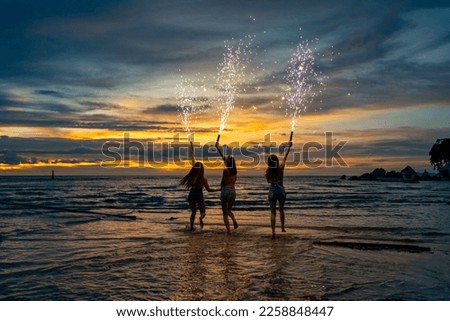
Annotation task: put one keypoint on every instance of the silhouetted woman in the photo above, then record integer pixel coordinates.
(228, 192)
(274, 176)
(196, 180)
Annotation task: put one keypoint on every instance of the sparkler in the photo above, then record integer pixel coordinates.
(190, 97)
(230, 78)
(300, 79)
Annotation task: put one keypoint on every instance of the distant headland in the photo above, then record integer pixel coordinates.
(407, 174)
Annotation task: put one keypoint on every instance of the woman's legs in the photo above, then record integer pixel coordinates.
(201, 207)
(273, 214)
(193, 212)
(231, 214)
(225, 214)
(226, 211)
(281, 205)
(235, 223)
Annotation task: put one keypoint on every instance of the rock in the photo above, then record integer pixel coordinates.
(425, 174)
(428, 177)
(368, 177)
(379, 172)
(408, 171)
(393, 174)
(343, 177)
(407, 174)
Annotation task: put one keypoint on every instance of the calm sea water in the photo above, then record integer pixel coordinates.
(345, 240)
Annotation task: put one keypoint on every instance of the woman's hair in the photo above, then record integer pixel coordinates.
(195, 177)
(230, 163)
(273, 168)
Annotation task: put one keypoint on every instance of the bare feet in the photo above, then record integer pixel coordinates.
(235, 224)
(283, 230)
(273, 236)
(202, 216)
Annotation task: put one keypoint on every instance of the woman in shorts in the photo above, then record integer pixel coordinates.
(228, 192)
(274, 176)
(196, 180)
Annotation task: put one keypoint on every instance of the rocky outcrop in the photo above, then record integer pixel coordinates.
(379, 172)
(407, 174)
(408, 171)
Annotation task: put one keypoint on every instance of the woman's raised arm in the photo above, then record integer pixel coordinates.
(220, 150)
(287, 153)
(192, 154)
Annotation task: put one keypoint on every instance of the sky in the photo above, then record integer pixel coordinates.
(86, 86)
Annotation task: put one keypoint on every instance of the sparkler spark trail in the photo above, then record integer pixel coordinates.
(230, 77)
(191, 99)
(301, 79)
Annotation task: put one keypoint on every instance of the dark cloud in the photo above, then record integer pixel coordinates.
(96, 105)
(81, 150)
(51, 93)
(409, 142)
(393, 148)
(14, 150)
(104, 44)
(368, 41)
(44, 119)
(10, 158)
(8, 101)
(166, 108)
(175, 109)
(25, 145)
(427, 4)
(17, 112)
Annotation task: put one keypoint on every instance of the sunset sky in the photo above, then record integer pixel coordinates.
(78, 74)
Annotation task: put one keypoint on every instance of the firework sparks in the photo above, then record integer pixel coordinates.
(301, 79)
(191, 99)
(230, 78)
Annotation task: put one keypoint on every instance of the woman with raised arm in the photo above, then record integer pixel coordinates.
(196, 180)
(274, 176)
(228, 192)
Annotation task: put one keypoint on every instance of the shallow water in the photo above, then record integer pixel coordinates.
(54, 248)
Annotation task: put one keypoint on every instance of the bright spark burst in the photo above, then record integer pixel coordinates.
(191, 99)
(231, 77)
(301, 79)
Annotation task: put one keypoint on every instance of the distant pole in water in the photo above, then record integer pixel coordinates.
(218, 138)
(53, 174)
(292, 134)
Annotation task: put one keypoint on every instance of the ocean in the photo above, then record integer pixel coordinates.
(345, 240)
